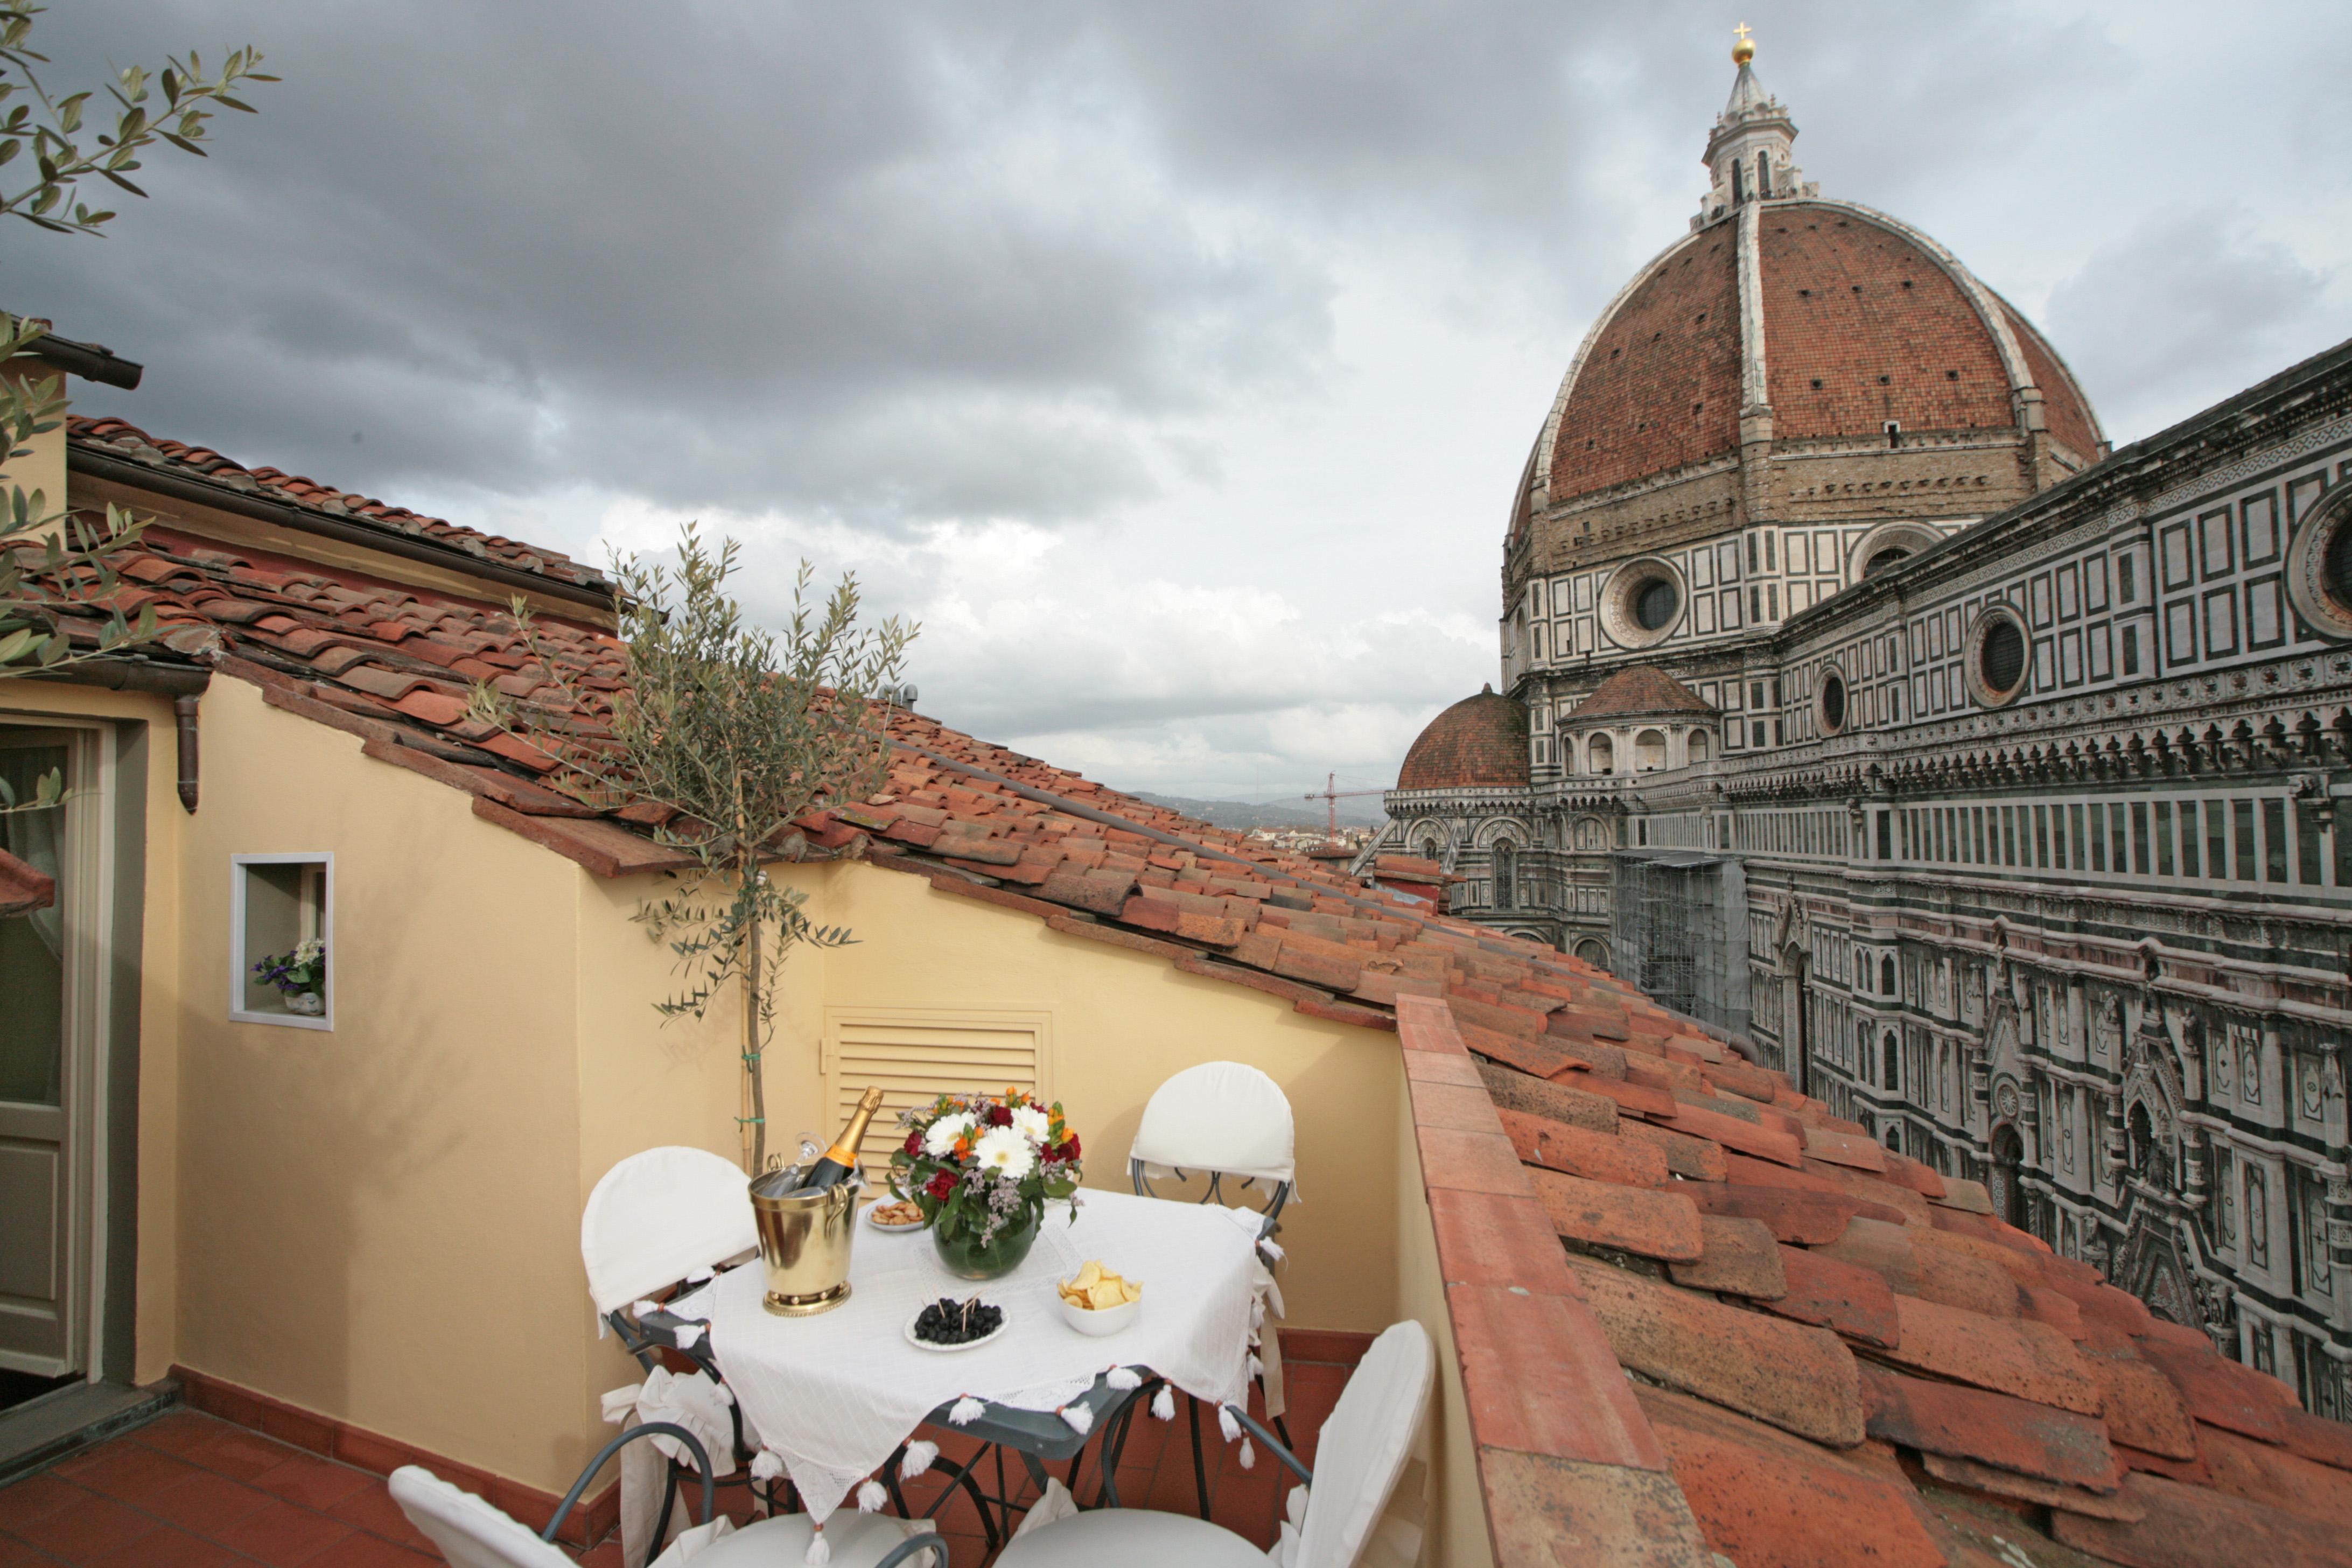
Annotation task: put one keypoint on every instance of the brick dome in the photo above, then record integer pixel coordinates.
(1850, 320)
(1480, 741)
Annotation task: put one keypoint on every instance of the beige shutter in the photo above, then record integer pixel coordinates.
(917, 1055)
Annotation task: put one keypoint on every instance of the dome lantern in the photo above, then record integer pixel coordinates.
(1751, 152)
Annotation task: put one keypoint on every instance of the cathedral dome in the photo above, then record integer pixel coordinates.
(1789, 320)
(1481, 741)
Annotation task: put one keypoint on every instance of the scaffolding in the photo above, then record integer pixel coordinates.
(1679, 929)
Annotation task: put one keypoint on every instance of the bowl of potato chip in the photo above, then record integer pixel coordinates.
(1097, 1302)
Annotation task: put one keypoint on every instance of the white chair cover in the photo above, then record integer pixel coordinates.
(1363, 1446)
(1220, 1116)
(657, 1216)
(470, 1532)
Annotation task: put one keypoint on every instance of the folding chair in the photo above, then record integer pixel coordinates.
(1226, 1121)
(1335, 1517)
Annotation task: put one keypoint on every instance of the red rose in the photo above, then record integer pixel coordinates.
(1000, 1116)
(1069, 1148)
(913, 1143)
(941, 1186)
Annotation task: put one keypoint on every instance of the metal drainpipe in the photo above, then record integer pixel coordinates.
(184, 709)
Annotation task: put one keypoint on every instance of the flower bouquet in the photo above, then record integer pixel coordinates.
(298, 976)
(983, 1168)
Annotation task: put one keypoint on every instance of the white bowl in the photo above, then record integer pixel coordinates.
(1098, 1320)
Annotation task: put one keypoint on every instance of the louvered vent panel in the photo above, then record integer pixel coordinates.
(915, 1061)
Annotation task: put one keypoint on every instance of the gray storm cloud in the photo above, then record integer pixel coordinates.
(1171, 364)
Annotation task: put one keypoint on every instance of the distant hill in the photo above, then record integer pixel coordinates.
(1364, 811)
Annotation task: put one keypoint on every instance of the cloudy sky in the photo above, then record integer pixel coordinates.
(1171, 364)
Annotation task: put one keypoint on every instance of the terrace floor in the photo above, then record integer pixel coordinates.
(189, 1490)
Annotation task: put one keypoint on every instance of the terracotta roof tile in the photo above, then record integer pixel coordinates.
(1640, 1220)
(1854, 1301)
(2030, 1360)
(1769, 1505)
(2196, 1527)
(1736, 1258)
(1797, 1378)
(1993, 1428)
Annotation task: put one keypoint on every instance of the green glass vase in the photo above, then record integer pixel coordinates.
(962, 1254)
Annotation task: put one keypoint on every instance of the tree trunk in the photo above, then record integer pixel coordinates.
(755, 1088)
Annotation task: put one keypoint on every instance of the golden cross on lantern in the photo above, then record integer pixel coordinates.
(1745, 49)
(1741, 32)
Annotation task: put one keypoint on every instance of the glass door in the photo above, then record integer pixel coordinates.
(40, 1250)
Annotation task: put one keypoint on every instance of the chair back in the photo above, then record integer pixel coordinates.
(657, 1217)
(1362, 1447)
(1219, 1115)
(467, 1531)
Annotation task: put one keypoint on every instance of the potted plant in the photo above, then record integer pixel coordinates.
(300, 976)
(983, 1168)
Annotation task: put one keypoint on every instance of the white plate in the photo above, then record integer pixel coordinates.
(1003, 1324)
(891, 1229)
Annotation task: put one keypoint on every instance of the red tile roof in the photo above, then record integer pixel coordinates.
(118, 438)
(393, 664)
(1838, 1355)
(1639, 688)
(1480, 741)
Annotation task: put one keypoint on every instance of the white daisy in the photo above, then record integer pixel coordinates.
(1031, 1123)
(939, 1140)
(1003, 1152)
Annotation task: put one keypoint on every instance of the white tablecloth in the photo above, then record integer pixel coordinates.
(835, 1395)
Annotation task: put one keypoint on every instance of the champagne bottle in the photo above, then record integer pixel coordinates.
(839, 1162)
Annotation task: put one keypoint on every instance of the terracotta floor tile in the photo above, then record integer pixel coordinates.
(21, 1502)
(85, 1528)
(371, 1551)
(14, 1553)
(126, 1471)
(205, 1502)
(283, 1535)
(178, 1432)
(234, 1451)
(312, 1482)
(168, 1548)
(372, 1508)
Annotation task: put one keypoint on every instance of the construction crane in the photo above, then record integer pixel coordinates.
(1331, 794)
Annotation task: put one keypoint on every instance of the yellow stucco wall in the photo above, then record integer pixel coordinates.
(379, 1222)
(43, 469)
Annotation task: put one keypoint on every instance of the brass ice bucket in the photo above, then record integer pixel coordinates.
(804, 1240)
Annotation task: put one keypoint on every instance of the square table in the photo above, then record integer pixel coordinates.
(834, 1396)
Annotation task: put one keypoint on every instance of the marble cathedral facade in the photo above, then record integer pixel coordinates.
(2009, 765)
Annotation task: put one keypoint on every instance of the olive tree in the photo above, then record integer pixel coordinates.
(737, 732)
(49, 144)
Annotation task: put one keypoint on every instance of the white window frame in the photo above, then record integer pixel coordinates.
(238, 960)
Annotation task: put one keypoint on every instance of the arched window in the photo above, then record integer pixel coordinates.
(1602, 752)
(1593, 953)
(1649, 751)
(1895, 1139)
(1763, 175)
(1429, 847)
(1861, 972)
(1891, 1060)
(1738, 180)
(1886, 976)
(1507, 876)
(1698, 745)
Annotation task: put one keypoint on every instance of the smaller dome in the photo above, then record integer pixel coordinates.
(1481, 741)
